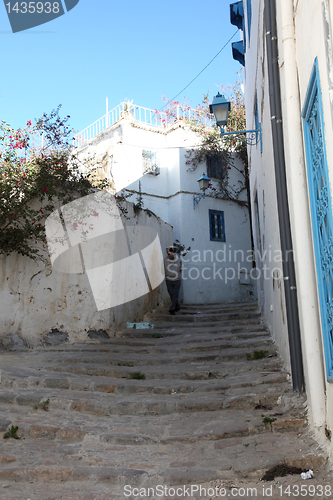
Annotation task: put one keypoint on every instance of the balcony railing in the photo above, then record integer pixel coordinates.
(138, 114)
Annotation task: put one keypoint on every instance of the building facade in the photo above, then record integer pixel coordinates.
(146, 159)
(288, 81)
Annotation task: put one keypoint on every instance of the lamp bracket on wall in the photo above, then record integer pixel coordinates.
(197, 198)
(249, 137)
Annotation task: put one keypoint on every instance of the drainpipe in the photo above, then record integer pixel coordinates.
(282, 198)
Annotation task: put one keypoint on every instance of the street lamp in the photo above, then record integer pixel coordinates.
(203, 185)
(220, 107)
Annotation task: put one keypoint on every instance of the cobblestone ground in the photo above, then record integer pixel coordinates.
(197, 407)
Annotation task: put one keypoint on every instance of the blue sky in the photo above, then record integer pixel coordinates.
(124, 49)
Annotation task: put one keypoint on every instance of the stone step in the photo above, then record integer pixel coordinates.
(231, 306)
(172, 331)
(206, 409)
(201, 367)
(188, 319)
(136, 430)
(166, 352)
(126, 445)
(155, 403)
(167, 338)
(188, 315)
(178, 338)
(174, 464)
(170, 325)
(130, 386)
(178, 366)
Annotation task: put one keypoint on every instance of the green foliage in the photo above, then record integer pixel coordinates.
(256, 355)
(268, 420)
(138, 376)
(213, 145)
(39, 172)
(43, 405)
(180, 248)
(138, 206)
(11, 433)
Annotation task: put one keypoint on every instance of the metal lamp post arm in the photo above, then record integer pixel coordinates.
(252, 140)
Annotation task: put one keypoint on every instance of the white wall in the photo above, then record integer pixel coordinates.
(263, 188)
(297, 52)
(36, 299)
(316, 17)
(170, 196)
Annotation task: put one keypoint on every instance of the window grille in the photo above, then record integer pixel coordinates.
(150, 162)
(321, 209)
(216, 225)
(216, 165)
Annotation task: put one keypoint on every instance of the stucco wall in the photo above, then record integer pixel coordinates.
(209, 274)
(297, 52)
(36, 299)
(314, 17)
(270, 286)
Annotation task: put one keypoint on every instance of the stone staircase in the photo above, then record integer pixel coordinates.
(200, 399)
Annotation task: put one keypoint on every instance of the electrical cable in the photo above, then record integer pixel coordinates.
(219, 52)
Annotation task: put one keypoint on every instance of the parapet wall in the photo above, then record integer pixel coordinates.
(41, 305)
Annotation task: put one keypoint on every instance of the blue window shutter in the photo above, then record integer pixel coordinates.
(216, 225)
(237, 19)
(237, 14)
(238, 52)
(321, 209)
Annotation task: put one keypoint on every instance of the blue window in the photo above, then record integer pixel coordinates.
(216, 166)
(321, 209)
(216, 225)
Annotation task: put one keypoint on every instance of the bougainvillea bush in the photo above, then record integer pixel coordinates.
(39, 172)
(211, 144)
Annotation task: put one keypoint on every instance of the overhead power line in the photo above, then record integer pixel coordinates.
(210, 62)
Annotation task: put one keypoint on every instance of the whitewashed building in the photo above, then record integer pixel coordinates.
(143, 154)
(288, 79)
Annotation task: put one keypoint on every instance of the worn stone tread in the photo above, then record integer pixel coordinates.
(205, 412)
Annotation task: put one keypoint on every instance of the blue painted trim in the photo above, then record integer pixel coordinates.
(252, 140)
(238, 52)
(212, 212)
(237, 14)
(313, 91)
(249, 17)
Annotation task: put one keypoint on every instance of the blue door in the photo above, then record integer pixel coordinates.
(321, 209)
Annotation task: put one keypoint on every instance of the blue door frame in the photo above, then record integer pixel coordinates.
(321, 209)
